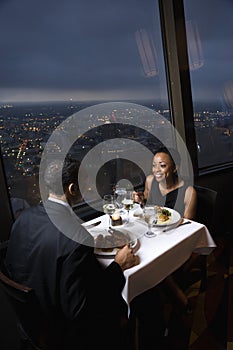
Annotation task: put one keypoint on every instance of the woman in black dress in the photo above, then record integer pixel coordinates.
(165, 188)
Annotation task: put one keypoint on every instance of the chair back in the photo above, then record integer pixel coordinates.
(206, 203)
(25, 305)
(32, 322)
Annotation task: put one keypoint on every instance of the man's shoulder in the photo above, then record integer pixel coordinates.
(35, 210)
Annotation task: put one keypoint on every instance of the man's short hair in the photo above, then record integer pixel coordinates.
(56, 183)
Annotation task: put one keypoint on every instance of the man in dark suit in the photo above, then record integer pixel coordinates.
(52, 253)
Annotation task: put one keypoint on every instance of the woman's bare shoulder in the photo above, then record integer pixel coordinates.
(190, 189)
(148, 184)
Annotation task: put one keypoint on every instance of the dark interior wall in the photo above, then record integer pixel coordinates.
(222, 182)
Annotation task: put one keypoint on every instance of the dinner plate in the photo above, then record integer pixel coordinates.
(133, 233)
(112, 253)
(175, 217)
(108, 251)
(101, 252)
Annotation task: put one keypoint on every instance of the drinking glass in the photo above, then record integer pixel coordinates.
(120, 195)
(109, 206)
(150, 216)
(128, 202)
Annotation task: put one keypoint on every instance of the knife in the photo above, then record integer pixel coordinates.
(178, 225)
(92, 225)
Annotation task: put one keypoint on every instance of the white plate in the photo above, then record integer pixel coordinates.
(134, 231)
(175, 217)
(99, 251)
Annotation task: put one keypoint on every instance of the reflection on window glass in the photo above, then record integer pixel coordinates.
(210, 41)
(59, 57)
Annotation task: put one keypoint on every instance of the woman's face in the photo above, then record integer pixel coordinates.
(162, 167)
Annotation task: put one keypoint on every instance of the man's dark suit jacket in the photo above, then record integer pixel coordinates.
(72, 287)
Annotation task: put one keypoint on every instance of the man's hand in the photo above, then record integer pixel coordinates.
(138, 197)
(125, 258)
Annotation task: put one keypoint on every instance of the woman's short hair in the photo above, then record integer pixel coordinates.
(172, 153)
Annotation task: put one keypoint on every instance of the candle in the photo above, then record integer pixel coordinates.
(116, 219)
(116, 216)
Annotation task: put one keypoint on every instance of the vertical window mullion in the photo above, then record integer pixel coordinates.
(6, 217)
(177, 70)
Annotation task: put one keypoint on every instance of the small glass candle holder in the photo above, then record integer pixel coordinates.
(116, 218)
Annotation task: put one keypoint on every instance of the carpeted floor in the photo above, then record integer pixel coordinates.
(210, 325)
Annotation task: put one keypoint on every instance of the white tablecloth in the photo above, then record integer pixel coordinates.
(162, 255)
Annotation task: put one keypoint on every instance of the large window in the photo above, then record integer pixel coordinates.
(59, 57)
(62, 57)
(210, 41)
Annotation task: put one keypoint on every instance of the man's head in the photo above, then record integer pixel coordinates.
(61, 179)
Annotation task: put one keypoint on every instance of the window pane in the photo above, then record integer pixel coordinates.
(58, 57)
(210, 42)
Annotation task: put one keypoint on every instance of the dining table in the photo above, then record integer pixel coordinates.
(159, 256)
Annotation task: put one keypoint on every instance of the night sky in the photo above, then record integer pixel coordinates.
(87, 49)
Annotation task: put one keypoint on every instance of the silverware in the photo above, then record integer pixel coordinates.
(92, 225)
(111, 230)
(176, 226)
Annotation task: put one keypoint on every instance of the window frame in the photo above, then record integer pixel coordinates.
(5, 207)
(179, 82)
(178, 75)
(173, 31)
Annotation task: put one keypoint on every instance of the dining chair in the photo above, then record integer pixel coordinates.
(196, 266)
(25, 306)
(206, 204)
(32, 326)
(205, 214)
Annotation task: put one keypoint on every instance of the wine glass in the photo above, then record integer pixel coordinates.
(109, 206)
(120, 195)
(150, 216)
(128, 202)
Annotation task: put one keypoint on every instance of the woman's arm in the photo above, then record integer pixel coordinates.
(190, 202)
(148, 183)
(141, 197)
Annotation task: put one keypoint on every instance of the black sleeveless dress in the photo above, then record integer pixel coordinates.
(173, 199)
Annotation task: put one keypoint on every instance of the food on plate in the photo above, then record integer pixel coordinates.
(115, 240)
(163, 214)
(101, 243)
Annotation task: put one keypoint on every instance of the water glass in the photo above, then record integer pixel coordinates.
(109, 205)
(120, 195)
(128, 202)
(150, 216)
